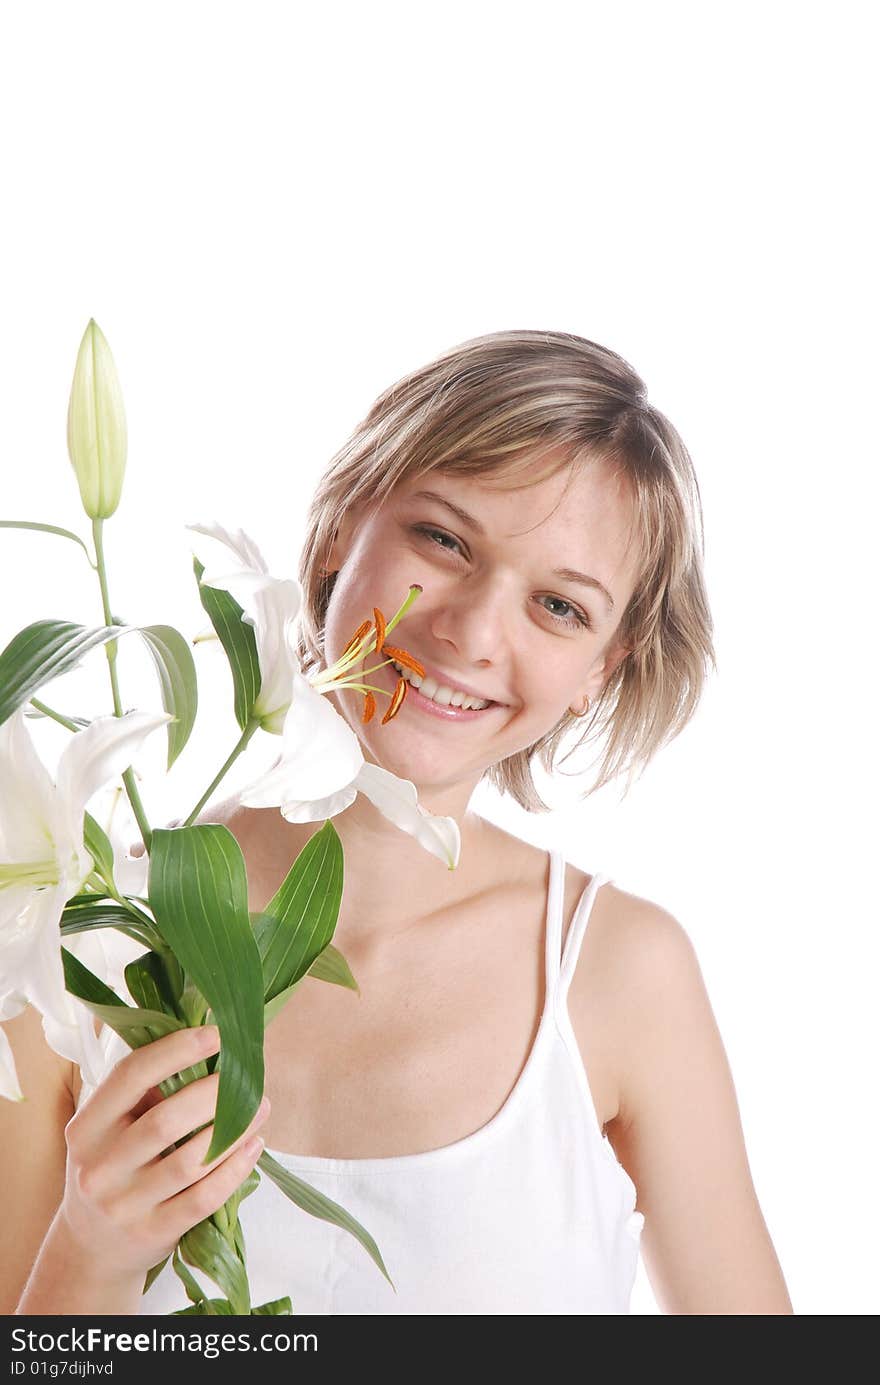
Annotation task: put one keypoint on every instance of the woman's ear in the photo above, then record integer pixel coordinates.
(613, 658)
(341, 542)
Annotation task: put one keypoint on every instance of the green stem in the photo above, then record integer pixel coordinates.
(56, 716)
(128, 779)
(246, 735)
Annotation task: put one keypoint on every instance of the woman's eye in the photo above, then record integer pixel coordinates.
(577, 617)
(430, 533)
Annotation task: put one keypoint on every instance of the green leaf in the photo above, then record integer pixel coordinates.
(239, 641)
(317, 1205)
(47, 529)
(220, 1307)
(153, 1274)
(274, 1007)
(80, 918)
(97, 844)
(177, 680)
(238, 1243)
(125, 904)
(194, 1291)
(154, 984)
(193, 1005)
(209, 1307)
(41, 652)
(298, 922)
(137, 1027)
(275, 1308)
(232, 1204)
(330, 965)
(206, 1249)
(198, 895)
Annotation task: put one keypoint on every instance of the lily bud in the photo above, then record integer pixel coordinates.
(97, 437)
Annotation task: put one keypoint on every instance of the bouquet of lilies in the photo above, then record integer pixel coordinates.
(206, 959)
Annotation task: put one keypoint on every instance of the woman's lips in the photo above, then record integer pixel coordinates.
(430, 708)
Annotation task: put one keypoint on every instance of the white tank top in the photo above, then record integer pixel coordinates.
(531, 1214)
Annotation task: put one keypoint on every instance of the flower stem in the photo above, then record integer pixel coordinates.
(237, 750)
(56, 716)
(128, 779)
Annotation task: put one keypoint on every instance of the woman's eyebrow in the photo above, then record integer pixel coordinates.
(570, 574)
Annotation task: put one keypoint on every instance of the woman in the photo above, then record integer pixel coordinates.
(510, 1083)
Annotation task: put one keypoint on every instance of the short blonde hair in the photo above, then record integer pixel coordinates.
(494, 406)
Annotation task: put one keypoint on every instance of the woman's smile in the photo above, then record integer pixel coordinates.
(418, 702)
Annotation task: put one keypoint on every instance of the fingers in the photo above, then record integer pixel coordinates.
(201, 1199)
(151, 1098)
(167, 1121)
(179, 1185)
(128, 1084)
(135, 1178)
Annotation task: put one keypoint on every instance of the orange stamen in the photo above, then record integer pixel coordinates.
(355, 639)
(396, 700)
(369, 707)
(380, 629)
(403, 658)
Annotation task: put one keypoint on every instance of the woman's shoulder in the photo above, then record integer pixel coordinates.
(634, 939)
(646, 937)
(637, 966)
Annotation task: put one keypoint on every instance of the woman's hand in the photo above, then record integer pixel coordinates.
(126, 1204)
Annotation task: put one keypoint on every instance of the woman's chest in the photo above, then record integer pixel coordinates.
(432, 1045)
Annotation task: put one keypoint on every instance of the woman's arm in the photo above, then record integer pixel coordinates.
(33, 1160)
(678, 1132)
(95, 1197)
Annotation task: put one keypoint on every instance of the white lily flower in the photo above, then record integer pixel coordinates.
(322, 766)
(43, 863)
(10, 1006)
(271, 604)
(113, 812)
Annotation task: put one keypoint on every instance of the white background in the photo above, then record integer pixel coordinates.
(274, 211)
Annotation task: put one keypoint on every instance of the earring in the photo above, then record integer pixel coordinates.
(584, 709)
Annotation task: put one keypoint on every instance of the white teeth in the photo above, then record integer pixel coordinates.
(437, 692)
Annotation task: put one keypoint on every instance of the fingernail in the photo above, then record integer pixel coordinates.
(209, 1036)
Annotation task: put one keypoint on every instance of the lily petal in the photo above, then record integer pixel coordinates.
(398, 800)
(32, 964)
(248, 576)
(102, 750)
(320, 757)
(131, 873)
(15, 902)
(315, 809)
(11, 1004)
(26, 812)
(38, 977)
(238, 545)
(271, 606)
(277, 608)
(10, 1087)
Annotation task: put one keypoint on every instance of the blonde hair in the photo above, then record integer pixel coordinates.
(495, 406)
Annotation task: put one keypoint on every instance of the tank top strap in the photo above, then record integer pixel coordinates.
(561, 955)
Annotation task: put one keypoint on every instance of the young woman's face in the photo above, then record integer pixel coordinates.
(493, 615)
